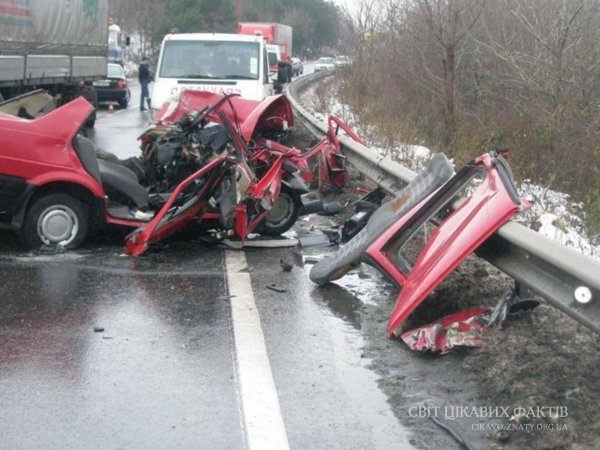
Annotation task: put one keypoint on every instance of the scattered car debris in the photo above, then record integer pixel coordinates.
(314, 239)
(286, 266)
(464, 328)
(260, 243)
(275, 288)
(364, 207)
(331, 208)
(312, 259)
(317, 206)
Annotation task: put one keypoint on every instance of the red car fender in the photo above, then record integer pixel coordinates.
(63, 176)
(271, 113)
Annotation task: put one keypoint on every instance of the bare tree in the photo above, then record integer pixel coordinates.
(472, 73)
(447, 23)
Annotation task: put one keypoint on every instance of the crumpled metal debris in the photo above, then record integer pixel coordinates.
(464, 328)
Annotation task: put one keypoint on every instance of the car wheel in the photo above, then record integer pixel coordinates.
(283, 214)
(55, 220)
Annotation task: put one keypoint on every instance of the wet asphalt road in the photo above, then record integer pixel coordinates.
(173, 351)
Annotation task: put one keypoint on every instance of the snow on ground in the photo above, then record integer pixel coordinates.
(552, 213)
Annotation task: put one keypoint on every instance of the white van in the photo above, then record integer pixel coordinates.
(218, 63)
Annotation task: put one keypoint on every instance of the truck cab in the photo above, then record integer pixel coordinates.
(214, 62)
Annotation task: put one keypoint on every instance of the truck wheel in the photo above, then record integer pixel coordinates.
(55, 220)
(283, 214)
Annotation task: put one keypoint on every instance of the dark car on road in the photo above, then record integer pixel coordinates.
(114, 88)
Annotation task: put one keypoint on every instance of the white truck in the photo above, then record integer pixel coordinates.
(215, 62)
(59, 46)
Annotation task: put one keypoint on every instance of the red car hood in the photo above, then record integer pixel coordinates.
(272, 113)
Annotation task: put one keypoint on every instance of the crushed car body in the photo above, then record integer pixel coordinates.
(212, 161)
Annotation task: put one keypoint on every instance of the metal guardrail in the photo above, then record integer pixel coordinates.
(567, 279)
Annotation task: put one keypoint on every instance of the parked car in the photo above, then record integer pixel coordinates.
(324, 63)
(342, 61)
(297, 67)
(114, 88)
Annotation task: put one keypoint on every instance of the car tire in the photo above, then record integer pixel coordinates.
(283, 214)
(55, 220)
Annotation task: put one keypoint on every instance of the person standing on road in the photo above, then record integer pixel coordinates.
(144, 78)
(290, 68)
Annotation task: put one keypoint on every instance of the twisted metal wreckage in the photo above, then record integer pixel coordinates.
(240, 143)
(385, 242)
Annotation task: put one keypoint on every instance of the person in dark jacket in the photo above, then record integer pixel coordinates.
(289, 67)
(144, 78)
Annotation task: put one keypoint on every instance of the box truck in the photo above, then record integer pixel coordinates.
(60, 46)
(277, 36)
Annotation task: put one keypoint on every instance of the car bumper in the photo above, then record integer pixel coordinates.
(105, 95)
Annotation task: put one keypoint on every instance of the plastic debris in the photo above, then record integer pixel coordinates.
(314, 239)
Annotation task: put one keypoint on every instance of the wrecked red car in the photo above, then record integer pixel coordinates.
(264, 126)
(208, 159)
(55, 185)
(486, 198)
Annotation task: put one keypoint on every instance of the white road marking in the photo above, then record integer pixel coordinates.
(260, 405)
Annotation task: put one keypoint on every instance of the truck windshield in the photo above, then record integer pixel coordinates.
(210, 59)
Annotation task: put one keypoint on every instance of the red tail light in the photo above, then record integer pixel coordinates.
(122, 84)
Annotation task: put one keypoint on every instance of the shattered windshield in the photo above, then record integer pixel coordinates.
(210, 60)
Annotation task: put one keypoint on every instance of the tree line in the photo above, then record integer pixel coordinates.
(465, 75)
(315, 22)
